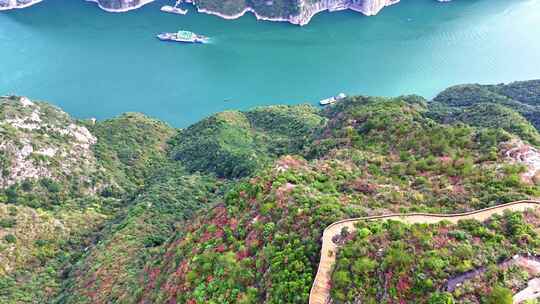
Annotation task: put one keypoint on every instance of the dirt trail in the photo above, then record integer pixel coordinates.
(320, 291)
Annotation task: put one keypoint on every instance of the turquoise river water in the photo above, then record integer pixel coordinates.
(98, 64)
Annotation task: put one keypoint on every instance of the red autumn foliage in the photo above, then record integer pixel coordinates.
(242, 254)
(363, 186)
(403, 285)
(233, 223)
(252, 240)
(221, 248)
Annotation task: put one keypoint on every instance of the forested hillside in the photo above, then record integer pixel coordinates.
(232, 208)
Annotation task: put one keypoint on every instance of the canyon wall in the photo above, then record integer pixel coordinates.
(366, 7)
(294, 11)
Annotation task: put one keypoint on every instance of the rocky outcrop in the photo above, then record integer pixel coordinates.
(524, 154)
(40, 141)
(307, 9)
(366, 7)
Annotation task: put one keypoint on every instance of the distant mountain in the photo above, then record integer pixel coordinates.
(232, 208)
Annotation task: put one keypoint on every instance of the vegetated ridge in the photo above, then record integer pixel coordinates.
(232, 208)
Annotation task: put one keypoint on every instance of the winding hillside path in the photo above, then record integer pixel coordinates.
(320, 290)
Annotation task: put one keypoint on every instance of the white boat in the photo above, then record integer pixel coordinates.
(332, 99)
(183, 36)
(174, 10)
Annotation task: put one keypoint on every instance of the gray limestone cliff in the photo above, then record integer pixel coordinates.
(294, 11)
(309, 9)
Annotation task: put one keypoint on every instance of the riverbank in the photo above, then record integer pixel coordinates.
(255, 63)
(307, 10)
(121, 10)
(20, 6)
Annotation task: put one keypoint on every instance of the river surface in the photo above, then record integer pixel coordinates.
(98, 64)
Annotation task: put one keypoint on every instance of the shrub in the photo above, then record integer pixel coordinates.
(51, 185)
(7, 222)
(499, 295)
(10, 238)
(441, 298)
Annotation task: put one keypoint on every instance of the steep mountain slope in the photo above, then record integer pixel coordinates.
(375, 156)
(293, 11)
(235, 144)
(437, 263)
(521, 96)
(62, 181)
(231, 209)
(111, 271)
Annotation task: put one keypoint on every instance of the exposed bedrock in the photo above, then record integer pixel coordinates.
(294, 11)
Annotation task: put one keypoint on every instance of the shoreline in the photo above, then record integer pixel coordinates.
(301, 19)
(360, 10)
(7, 8)
(236, 16)
(121, 10)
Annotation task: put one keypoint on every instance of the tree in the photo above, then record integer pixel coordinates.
(10, 238)
(499, 295)
(363, 265)
(441, 298)
(342, 279)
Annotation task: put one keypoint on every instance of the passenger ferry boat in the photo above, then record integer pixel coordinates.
(332, 100)
(183, 36)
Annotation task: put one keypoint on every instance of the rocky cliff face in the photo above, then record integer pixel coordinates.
(366, 7)
(294, 11)
(39, 141)
(274, 10)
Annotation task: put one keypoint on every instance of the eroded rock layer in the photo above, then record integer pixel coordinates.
(294, 11)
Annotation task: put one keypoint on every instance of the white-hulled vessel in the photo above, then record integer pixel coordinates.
(183, 36)
(174, 10)
(333, 99)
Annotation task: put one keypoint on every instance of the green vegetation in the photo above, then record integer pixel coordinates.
(51, 216)
(500, 295)
(111, 270)
(274, 9)
(128, 147)
(231, 209)
(521, 96)
(374, 155)
(235, 144)
(396, 262)
(490, 115)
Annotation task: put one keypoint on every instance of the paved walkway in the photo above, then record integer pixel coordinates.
(320, 291)
(531, 292)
